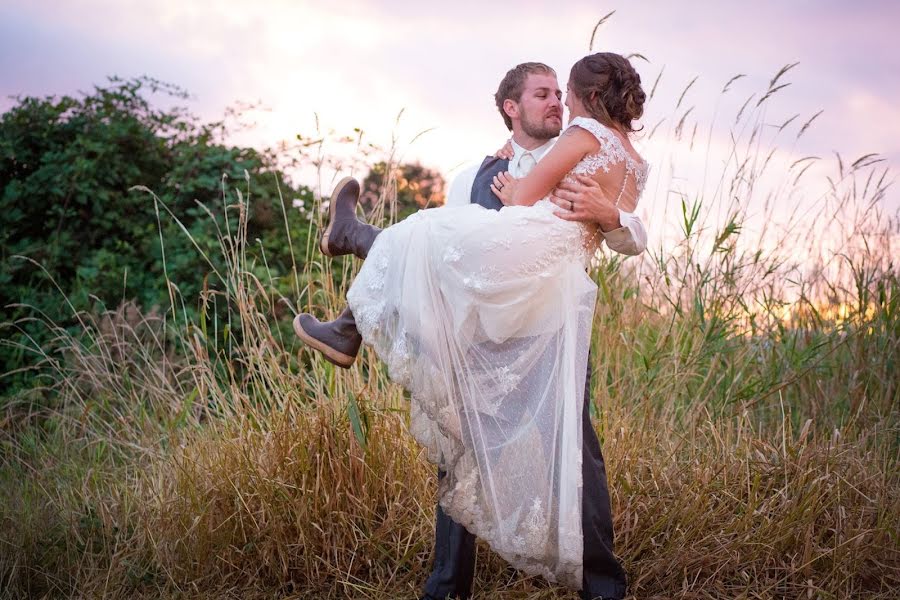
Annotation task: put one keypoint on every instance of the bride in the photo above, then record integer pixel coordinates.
(485, 318)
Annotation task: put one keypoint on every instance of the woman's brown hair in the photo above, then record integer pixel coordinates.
(609, 88)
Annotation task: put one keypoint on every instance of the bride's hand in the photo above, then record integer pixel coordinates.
(506, 152)
(504, 186)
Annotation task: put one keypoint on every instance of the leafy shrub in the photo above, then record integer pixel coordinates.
(68, 167)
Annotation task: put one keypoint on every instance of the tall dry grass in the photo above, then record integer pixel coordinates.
(747, 408)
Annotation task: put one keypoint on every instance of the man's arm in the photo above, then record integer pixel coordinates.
(460, 190)
(629, 239)
(623, 231)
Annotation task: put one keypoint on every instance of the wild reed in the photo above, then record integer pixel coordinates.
(749, 425)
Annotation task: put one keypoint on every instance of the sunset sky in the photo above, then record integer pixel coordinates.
(357, 64)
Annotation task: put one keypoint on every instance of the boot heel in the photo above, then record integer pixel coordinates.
(342, 349)
(332, 215)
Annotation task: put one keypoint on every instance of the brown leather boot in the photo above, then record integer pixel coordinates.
(345, 234)
(337, 340)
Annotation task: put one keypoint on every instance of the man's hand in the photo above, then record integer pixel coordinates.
(583, 200)
(506, 152)
(503, 187)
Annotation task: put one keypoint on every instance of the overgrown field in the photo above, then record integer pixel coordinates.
(747, 408)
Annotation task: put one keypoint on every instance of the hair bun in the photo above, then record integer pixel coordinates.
(632, 92)
(610, 88)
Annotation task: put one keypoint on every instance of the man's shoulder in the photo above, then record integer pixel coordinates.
(460, 188)
(465, 174)
(468, 168)
(491, 162)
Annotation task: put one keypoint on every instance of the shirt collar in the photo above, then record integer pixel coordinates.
(538, 153)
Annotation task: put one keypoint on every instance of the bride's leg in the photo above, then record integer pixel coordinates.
(337, 340)
(345, 233)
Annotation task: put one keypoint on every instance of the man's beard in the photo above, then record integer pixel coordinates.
(539, 130)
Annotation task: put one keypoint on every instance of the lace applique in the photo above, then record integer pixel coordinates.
(369, 317)
(562, 241)
(535, 525)
(474, 283)
(399, 363)
(611, 152)
(376, 284)
(496, 244)
(508, 380)
(374, 280)
(490, 272)
(641, 173)
(452, 254)
(466, 498)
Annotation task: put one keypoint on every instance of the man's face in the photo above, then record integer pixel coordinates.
(540, 109)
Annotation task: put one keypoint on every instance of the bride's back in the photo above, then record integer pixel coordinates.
(616, 166)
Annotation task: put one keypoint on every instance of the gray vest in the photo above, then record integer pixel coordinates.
(481, 187)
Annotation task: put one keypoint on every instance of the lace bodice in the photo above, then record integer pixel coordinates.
(611, 152)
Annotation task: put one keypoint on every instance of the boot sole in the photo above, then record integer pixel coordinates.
(332, 206)
(333, 356)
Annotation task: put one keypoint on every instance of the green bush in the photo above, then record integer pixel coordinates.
(68, 167)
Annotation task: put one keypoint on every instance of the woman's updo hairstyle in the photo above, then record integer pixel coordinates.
(609, 88)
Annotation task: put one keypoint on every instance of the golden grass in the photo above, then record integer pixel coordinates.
(748, 455)
(704, 509)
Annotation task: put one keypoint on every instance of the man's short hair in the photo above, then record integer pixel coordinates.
(513, 85)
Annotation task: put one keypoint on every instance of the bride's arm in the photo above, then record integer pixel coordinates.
(572, 146)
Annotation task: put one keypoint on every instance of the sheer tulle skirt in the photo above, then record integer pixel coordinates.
(485, 317)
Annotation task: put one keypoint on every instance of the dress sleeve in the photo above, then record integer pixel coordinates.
(599, 131)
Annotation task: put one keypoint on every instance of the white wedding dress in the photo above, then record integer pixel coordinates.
(485, 318)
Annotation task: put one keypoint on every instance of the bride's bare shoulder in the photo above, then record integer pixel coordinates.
(578, 137)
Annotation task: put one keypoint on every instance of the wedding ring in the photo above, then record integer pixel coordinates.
(499, 186)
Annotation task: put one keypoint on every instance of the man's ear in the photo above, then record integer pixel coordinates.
(511, 108)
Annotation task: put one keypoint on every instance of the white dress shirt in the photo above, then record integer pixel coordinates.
(629, 239)
(522, 158)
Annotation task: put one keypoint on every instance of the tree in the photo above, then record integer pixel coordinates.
(417, 187)
(67, 169)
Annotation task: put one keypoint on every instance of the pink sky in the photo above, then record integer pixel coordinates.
(357, 64)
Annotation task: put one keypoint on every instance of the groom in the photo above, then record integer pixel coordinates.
(529, 101)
